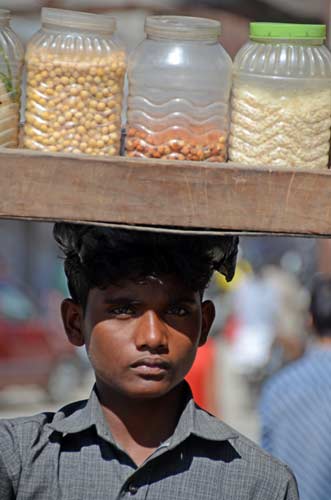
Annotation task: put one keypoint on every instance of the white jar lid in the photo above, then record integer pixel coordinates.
(78, 20)
(4, 17)
(182, 28)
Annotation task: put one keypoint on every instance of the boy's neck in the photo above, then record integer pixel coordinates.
(140, 426)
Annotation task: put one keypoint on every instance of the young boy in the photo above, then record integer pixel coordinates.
(137, 305)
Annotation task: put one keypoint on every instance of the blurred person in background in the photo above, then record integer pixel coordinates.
(269, 314)
(4, 270)
(290, 337)
(295, 406)
(255, 305)
(205, 376)
(202, 377)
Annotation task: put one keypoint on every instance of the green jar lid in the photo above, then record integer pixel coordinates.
(287, 31)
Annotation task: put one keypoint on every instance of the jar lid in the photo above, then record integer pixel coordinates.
(182, 28)
(287, 31)
(4, 16)
(78, 20)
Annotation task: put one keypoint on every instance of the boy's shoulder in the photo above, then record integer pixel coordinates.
(227, 454)
(256, 460)
(22, 437)
(21, 432)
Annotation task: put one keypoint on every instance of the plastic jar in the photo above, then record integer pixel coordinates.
(281, 99)
(179, 88)
(11, 62)
(75, 73)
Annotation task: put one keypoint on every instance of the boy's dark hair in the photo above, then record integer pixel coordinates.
(320, 306)
(96, 256)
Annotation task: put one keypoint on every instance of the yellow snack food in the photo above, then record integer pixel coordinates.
(64, 111)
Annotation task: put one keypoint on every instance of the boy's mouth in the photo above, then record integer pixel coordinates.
(150, 365)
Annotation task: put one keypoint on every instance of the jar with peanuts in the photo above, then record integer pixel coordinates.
(11, 62)
(75, 73)
(281, 98)
(179, 88)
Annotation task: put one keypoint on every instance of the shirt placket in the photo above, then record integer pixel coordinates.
(136, 486)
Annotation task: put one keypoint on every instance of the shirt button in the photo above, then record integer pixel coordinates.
(132, 489)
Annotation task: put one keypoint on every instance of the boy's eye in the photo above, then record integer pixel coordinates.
(178, 311)
(121, 311)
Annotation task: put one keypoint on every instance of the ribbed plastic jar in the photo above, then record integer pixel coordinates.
(281, 99)
(11, 62)
(75, 73)
(179, 90)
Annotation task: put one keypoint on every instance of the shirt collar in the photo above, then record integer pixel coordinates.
(194, 420)
(82, 415)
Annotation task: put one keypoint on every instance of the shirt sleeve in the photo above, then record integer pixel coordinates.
(6, 487)
(266, 437)
(9, 461)
(291, 490)
(266, 424)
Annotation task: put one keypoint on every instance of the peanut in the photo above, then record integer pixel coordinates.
(212, 148)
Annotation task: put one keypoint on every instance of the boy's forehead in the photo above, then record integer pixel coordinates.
(151, 279)
(164, 282)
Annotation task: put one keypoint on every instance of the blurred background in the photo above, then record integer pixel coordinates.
(267, 301)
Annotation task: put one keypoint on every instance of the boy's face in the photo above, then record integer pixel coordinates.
(141, 336)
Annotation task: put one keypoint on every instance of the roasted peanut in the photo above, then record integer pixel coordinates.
(142, 145)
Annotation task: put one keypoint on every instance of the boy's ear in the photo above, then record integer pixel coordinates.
(208, 316)
(72, 315)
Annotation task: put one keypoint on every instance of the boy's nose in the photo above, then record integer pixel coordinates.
(151, 333)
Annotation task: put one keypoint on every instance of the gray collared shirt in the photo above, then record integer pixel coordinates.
(71, 455)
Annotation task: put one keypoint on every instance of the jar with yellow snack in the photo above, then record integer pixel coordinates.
(11, 62)
(75, 74)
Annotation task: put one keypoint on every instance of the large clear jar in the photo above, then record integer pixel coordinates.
(179, 89)
(75, 74)
(11, 63)
(281, 99)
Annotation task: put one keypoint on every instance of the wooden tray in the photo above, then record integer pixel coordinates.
(165, 195)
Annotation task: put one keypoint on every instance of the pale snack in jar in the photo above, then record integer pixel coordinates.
(9, 117)
(11, 61)
(74, 94)
(271, 128)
